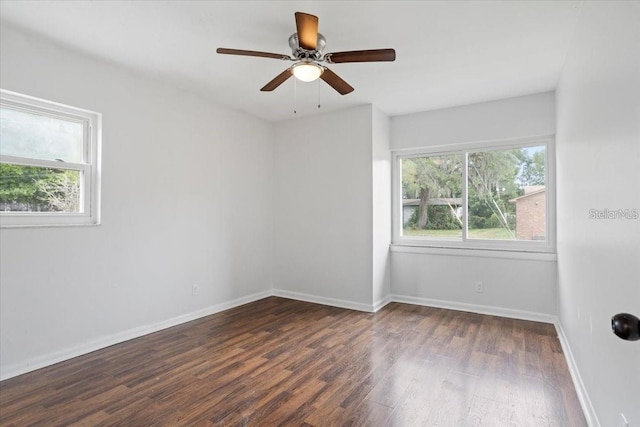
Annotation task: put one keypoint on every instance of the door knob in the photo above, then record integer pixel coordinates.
(626, 326)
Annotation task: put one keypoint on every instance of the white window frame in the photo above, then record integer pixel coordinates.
(89, 168)
(545, 246)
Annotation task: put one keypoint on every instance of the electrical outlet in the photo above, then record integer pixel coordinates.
(195, 290)
(623, 420)
(479, 287)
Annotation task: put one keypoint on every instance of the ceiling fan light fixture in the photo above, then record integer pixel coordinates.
(307, 51)
(307, 71)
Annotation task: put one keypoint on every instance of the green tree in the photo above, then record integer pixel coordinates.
(430, 177)
(532, 168)
(62, 192)
(38, 189)
(492, 182)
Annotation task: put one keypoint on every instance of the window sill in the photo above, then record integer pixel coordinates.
(472, 252)
(41, 221)
(27, 226)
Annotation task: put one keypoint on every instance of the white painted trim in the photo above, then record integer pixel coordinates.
(483, 144)
(463, 149)
(381, 303)
(323, 300)
(75, 351)
(10, 371)
(90, 166)
(587, 407)
(22, 161)
(476, 308)
(469, 252)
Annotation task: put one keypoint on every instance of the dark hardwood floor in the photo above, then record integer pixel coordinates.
(284, 362)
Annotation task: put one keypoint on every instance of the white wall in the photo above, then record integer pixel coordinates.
(598, 158)
(517, 286)
(187, 199)
(381, 208)
(513, 287)
(323, 208)
(523, 116)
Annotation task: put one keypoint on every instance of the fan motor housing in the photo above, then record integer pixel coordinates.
(300, 53)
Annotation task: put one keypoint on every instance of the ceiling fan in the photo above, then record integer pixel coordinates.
(307, 46)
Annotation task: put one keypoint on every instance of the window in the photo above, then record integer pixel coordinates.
(497, 196)
(49, 163)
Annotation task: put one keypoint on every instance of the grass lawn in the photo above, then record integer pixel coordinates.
(485, 233)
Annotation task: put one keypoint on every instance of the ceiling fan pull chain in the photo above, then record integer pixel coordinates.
(295, 95)
(318, 93)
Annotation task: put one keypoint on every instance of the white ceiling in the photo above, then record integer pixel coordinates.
(448, 52)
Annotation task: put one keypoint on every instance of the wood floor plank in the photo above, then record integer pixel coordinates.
(454, 400)
(396, 381)
(528, 403)
(366, 413)
(283, 362)
(488, 412)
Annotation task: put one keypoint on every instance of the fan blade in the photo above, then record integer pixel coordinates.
(251, 53)
(336, 82)
(280, 78)
(307, 27)
(373, 55)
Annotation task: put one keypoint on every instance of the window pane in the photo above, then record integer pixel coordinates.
(26, 134)
(432, 196)
(36, 189)
(506, 190)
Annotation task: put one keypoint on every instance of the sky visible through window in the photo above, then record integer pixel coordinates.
(35, 136)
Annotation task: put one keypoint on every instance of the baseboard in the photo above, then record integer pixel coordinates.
(451, 305)
(581, 391)
(476, 308)
(69, 353)
(56, 357)
(323, 300)
(382, 302)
